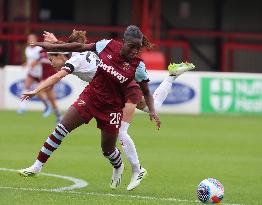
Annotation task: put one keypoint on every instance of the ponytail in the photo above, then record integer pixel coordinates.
(146, 43)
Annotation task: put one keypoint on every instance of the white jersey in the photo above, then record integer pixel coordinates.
(32, 53)
(83, 65)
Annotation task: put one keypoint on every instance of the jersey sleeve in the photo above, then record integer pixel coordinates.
(100, 45)
(71, 65)
(141, 73)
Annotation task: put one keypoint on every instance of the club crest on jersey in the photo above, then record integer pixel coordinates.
(126, 66)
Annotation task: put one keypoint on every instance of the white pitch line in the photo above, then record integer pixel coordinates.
(171, 199)
(138, 197)
(70, 188)
(78, 183)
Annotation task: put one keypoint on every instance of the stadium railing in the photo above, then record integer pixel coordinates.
(16, 33)
(231, 42)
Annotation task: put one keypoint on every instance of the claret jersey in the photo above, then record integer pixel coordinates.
(114, 73)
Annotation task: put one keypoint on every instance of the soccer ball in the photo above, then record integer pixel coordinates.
(210, 191)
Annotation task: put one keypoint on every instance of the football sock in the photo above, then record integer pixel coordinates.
(114, 158)
(52, 143)
(57, 114)
(37, 166)
(128, 146)
(161, 92)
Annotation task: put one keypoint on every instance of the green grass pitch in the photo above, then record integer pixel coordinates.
(186, 150)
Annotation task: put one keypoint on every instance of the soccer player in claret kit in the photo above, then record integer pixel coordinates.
(103, 99)
(83, 65)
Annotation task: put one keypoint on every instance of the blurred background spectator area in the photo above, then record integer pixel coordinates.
(217, 35)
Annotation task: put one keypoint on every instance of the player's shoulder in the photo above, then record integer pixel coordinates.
(138, 61)
(33, 48)
(117, 44)
(104, 41)
(85, 54)
(138, 58)
(37, 49)
(101, 45)
(113, 41)
(79, 54)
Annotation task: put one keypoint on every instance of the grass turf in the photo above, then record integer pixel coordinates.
(186, 150)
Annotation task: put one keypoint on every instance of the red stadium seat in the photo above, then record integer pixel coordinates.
(154, 60)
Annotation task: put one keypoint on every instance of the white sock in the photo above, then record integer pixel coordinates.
(38, 165)
(128, 146)
(22, 105)
(161, 92)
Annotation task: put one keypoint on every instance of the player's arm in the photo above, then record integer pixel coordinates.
(149, 102)
(142, 79)
(52, 80)
(71, 47)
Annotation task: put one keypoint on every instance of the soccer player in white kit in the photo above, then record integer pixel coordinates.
(84, 66)
(34, 73)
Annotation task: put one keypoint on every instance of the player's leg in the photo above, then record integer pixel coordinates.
(27, 84)
(138, 172)
(133, 95)
(47, 110)
(70, 121)
(165, 87)
(48, 71)
(108, 144)
(124, 138)
(109, 123)
(41, 95)
(51, 97)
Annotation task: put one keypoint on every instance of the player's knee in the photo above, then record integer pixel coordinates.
(108, 146)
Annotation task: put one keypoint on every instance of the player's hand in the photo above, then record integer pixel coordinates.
(27, 95)
(153, 117)
(49, 37)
